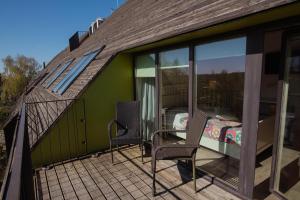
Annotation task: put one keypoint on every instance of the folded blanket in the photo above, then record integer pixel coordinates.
(224, 131)
(216, 128)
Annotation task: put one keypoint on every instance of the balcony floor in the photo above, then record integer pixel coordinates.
(128, 178)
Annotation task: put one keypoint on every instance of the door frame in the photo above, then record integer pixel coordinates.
(288, 33)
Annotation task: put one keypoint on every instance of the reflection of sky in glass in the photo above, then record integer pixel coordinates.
(174, 57)
(227, 55)
(221, 49)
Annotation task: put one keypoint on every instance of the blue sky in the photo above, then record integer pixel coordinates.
(41, 28)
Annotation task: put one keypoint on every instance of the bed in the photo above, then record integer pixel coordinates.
(224, 136)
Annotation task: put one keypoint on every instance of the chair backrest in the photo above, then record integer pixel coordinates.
(196, 127)
(128, 115)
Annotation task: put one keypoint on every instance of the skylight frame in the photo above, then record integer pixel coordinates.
(78, 68)
(59, 72)
(49, 74)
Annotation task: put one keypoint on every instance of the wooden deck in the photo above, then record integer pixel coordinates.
(128, 178)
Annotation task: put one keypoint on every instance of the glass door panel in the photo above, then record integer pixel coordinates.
(174, 87)
(287, 175)
(220, 71)
(145, 90)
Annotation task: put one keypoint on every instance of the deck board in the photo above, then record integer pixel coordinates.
(128, 178)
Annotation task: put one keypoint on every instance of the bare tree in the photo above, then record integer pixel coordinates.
(18, 72)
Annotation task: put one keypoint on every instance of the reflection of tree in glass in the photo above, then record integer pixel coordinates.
(164, 61)
(176, 62)
(145, 61)
(174, 89)
(222, 92)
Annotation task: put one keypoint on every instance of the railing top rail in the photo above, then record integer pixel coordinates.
(11, 188)
(49, 101)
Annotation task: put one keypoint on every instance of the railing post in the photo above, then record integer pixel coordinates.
(18, 180)
(27, 171)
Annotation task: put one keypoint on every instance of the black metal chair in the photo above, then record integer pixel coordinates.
(127, 126)
(185, 151)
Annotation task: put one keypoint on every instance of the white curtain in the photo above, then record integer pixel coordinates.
(146, 94)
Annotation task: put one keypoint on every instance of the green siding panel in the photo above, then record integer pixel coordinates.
(114, 84)
(82, 129)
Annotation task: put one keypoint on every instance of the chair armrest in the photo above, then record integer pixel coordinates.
(155, 133)
(109, 127)
(175, 146)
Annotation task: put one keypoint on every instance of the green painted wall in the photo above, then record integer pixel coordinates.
(113, 85)
(66, 138)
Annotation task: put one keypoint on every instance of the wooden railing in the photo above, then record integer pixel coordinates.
(18, 180)
(41, 115)
(64, 120)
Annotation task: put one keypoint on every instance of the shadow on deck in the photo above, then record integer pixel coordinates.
(128, 178)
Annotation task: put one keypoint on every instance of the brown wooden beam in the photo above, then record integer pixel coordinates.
(254, 61)
(191, 81)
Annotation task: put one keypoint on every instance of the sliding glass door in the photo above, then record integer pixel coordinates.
(219, 78)
(145, 91)
(174, 87)
(219, 73)
(287, 171)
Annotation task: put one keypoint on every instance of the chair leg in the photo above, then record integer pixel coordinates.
(153, 178)
(142, 152)
(194, 172)
(111, 153)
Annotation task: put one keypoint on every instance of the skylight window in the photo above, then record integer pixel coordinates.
(49, 74)
(63, 85)
(58, 73)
